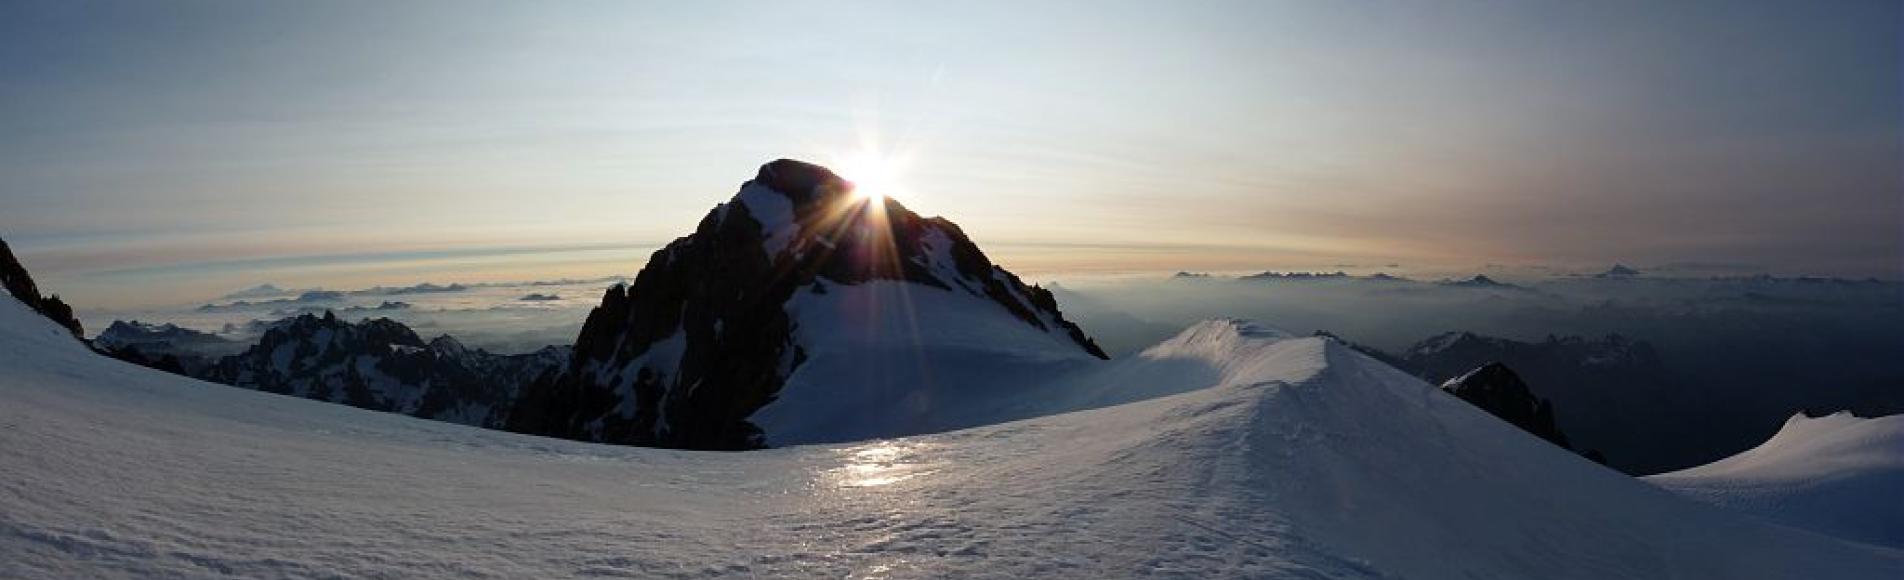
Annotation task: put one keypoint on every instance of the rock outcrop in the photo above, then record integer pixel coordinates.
(1614, 394)
(18, 282)
(703, 338)
(1496, 389)
(382, 365)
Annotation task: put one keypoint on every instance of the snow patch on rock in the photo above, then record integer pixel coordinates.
(774, 212)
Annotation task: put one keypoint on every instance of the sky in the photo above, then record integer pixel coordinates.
(158, 152)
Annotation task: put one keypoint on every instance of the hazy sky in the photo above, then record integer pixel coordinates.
(156, 150)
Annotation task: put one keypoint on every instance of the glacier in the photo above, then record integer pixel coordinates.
(1250, 454)
(1838, 474)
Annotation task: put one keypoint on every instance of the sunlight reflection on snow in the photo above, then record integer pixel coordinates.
(880, 464)
(876, 572)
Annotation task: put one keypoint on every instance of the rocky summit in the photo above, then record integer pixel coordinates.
(703, 337)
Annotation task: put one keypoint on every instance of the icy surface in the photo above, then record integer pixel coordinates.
(1304, 461)
(1839, 474)
(889, 357)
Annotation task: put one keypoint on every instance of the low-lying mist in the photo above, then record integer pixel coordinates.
(1725, 360)
(500, 317)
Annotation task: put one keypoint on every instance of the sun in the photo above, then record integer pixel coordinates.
(874, 175)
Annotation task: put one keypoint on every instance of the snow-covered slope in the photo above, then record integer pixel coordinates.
(879, 377)
(1301, 460)
(802, 300)
(952, 360)
(1838, 474)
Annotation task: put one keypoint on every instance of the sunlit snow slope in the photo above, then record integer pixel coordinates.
(1303, 460)
(1839, 474)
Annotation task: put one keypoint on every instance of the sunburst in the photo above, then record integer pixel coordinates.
(875, 174)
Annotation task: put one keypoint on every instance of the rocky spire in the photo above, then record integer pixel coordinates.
(1498, 390)
(703, 337)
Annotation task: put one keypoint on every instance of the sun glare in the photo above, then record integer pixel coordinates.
(874, 176)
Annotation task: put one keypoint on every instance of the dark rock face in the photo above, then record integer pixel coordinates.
(701, 339)
(1493, 387)
(382, 365)
(1496, 389)
(168, 362)
(14, 276)
(1612, 394)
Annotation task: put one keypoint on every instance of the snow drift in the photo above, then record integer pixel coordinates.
(1299, 459)
(1840, 475)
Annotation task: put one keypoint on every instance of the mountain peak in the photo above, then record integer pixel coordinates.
(449, 346)
(793, 267)
(802, 182)
(1618, 271)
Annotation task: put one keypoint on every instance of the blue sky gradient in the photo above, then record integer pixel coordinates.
(196, 147)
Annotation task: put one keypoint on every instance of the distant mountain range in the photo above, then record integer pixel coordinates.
(377, 364)
(382, 365)
(1616, 272)
(168, 347)
(161, 337)
(939, 404)
(1238, 451)
(1613, 396)
(740, 316)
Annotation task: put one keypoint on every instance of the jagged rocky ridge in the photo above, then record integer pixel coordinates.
(702, 338)
(1498, 390)
(20, 284)
(167, 347)
(1612, 395)
(382, 365)
(163, 336)
(1493, 387)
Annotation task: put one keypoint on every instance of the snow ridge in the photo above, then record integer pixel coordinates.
(1838, 474)
(1324, 465)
